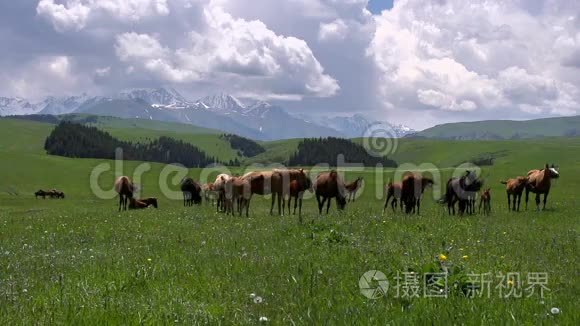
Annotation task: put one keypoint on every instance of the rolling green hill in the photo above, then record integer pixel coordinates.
(504, 129)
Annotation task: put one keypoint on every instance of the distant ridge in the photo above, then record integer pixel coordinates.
(504, 129)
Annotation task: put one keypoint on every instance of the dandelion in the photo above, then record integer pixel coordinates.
(149, 259)
(252, 295)
(258, 300)
(555, 311)
(442, 257)
(465, 256)
(263, 319)
(510, 283)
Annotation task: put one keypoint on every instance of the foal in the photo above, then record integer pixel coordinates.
(485, 201)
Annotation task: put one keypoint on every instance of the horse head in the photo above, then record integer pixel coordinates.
(553, 171)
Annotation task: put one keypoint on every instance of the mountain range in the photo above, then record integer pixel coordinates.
(253, 119)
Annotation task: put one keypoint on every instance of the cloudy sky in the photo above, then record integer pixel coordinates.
(418, 62)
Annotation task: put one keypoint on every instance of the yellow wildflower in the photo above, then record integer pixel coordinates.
(465, 256)
(442, 257)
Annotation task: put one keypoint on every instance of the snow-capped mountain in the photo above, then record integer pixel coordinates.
(248, 118)
(222, 102)
(358, 125)
(16, 106)
(62, 105)
(163, 97)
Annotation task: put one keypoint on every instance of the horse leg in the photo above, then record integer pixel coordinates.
(279, 204)
(299, 209)
(527, 194)
(319, 204)
(296, 199)
(538, 201)
(386, 204)
(394, 204)
(273, 201)
(418, 206)
(519, 201)
(545, 199)
(120, 201)
(328, 204)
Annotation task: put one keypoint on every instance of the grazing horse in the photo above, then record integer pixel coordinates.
(539, 182)
(485, 201)
(352, 188)
(515, 188)
(219, 187)
(125, 188)
(209, 194)
(412, 187)
(394, 191)
(297, 189)
(460, 190)
(41, 193)
(191, 192)
(329, 185)
(56, 194)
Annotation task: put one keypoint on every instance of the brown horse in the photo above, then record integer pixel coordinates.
(150, 201)
(515, 188)
(485, 201)
(352, 188)
(124, 187)
(209, 194)
(329, 185)
(219, 187)
(56, 194)
(239, 190)
(539, 182)
(297, 189)
(393, 191)
(413, 186)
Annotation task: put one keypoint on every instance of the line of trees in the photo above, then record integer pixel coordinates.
(312, 151)
(80, 141)
(245, 147)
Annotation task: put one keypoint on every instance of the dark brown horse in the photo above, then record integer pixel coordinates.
(352, 188)
(297, 189)
(413, 186)
(191, 192)
(150, 201)
(142, 203)
(539, 182)
(125, 188)
(485, 201)
(41, 193)
(329, 185)
(461, 190)
(515, 188)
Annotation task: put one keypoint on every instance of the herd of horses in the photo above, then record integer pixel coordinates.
(53, 193)
(232, 194)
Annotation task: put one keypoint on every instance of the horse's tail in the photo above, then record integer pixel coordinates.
(503, 182)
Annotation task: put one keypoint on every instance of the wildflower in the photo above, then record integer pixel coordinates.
(263, 319)
(510, 283)
(252, 295)
(465, 256)
(555, 311)
(442, 257)
(149, 259)
(258, 300)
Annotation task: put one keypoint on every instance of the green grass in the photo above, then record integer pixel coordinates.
(79, 261)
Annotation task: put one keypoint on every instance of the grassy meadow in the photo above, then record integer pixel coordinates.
(80, 261)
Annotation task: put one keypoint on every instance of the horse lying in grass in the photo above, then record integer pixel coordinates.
(142, 203)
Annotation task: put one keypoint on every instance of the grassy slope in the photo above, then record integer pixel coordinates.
(505, 128)
(77, 259)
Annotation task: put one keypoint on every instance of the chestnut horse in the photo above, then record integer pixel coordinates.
(515, 188)
(485, 201)
(329, 185)
(539, 182)
(125, 188)
(297, 189)
(219, 187)
(353, 187)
